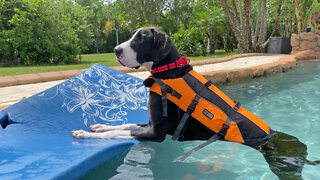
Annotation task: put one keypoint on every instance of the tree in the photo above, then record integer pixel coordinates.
(79, 22)
(41, 31)
(276, 21)
(95, 16)
(304, 10)
(234, 21)
(190, 42)
(7, 11)
(124, 33)
(142, 12)
(250, 34)
(247, 7)
(116, 24)
(208, 16)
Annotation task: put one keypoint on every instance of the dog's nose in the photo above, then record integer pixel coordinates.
(118, 51)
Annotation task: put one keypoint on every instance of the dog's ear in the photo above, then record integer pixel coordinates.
(161, 45)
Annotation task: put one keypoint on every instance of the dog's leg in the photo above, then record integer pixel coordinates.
(121, 134)
(286, 156)
(104, 128)
(154, 131)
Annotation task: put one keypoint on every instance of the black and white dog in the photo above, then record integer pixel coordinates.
(151, 48)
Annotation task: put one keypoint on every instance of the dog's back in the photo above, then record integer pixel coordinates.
(214, 108)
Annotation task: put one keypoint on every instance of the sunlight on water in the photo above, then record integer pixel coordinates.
(288, 102)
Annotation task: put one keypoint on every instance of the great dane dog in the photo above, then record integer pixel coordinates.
(152, 48)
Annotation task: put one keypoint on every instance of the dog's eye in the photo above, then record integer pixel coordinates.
(140, 37)
(137, 37)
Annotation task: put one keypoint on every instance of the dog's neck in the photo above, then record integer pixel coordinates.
(171, 73)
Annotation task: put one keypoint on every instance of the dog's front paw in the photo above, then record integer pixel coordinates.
(99, 128)
(81, 134)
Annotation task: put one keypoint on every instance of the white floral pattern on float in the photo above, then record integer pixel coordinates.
(103, 94)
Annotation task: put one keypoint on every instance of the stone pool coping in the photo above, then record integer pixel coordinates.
(283, 64)
(60, 75)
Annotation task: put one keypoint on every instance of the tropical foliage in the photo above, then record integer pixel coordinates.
(40, 31)
(57, 31)
(190, 42)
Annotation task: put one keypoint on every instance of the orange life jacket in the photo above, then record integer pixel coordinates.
(210, 106)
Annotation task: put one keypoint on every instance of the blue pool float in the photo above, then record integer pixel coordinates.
(35, 134)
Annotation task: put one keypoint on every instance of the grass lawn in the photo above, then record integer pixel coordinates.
(107, 59)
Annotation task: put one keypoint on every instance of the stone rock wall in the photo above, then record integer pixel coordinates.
(306, 41)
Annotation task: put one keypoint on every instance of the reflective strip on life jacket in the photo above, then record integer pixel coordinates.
(214, 107)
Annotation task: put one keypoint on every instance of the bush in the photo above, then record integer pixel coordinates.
(190, 42)
(38, 32)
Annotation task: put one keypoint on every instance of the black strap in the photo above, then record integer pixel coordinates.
(163, 97)
(209, 141)
(183, 122)
(164, 89)
(214, 138)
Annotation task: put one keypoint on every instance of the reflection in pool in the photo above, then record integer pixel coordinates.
(288, 102)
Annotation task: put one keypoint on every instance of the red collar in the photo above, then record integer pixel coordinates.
(181, 62)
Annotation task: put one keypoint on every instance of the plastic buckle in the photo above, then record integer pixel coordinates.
(182, 62)
(176, 94)
(194, 102)
(208, 83)
(192, 106)
(236, 106)
(169, 89)
(225, 126)
(223, 130)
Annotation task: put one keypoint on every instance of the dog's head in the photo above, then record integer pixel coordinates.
(146, 47)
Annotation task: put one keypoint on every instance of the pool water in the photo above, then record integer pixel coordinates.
(288, 102)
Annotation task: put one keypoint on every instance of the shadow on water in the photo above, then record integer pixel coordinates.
(140, 163)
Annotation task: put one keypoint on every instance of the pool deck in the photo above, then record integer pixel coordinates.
(15, 88)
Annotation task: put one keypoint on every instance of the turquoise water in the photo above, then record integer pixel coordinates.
(288, 102)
